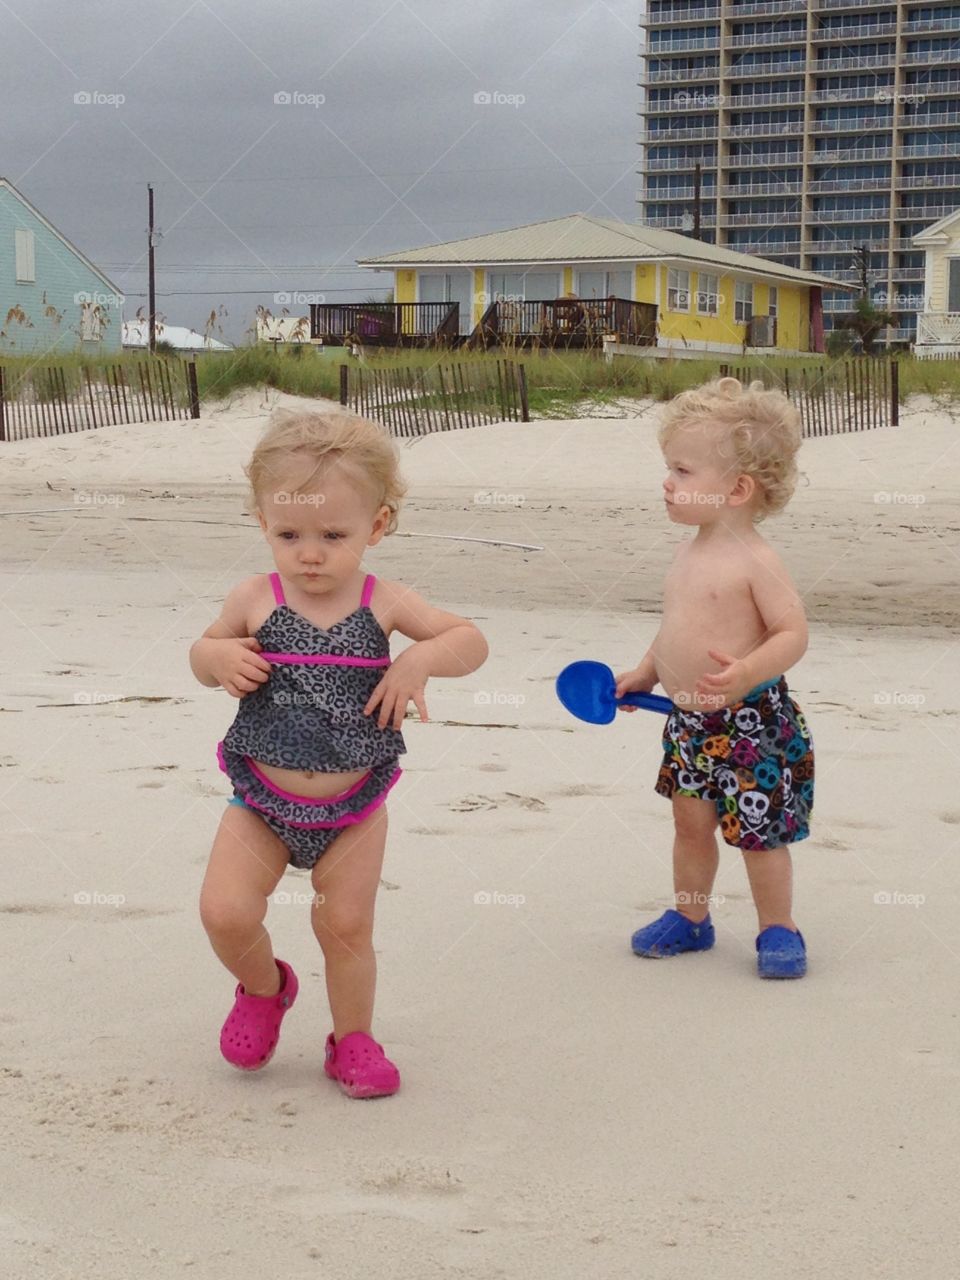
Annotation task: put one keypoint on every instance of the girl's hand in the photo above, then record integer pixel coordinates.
(726, 686)
(405, 681)
(237, 666)
(635, 681)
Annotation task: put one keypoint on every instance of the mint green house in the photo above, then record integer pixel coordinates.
(52, 297)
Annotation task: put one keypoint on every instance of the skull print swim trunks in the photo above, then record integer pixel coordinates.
(753, 759)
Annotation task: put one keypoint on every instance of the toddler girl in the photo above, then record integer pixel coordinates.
(314, 747)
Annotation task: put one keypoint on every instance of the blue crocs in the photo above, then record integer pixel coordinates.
(671, 934)
(781, 953)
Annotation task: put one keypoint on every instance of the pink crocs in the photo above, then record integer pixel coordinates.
(360, 1067)
(250, 1034)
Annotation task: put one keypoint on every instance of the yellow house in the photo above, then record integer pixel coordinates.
(938, 324)
(567, 273)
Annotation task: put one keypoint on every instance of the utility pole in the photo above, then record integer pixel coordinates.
(152, 285)
(696, 201)
(861, 258)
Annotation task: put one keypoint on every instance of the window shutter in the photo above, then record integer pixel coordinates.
(953, 296)
(26, 266)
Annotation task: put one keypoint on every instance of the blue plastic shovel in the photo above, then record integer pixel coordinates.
(588, 691)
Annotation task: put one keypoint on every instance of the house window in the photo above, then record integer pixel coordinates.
(707, 294)
(605, 284)
(678, 290)
(953, 285)
(26, 265)
(743, 303)
(773, 302)
(90, 328)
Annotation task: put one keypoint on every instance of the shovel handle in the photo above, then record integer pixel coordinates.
(649, 702)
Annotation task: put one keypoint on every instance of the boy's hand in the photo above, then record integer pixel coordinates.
(728, 685)
(237, 665)
(635, 681)
(404, 681)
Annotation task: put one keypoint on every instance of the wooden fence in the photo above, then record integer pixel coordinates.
(852, 395)
(439, 397)
(51, 400)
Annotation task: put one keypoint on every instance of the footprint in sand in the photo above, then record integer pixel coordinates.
(952, 816)
(509, 799)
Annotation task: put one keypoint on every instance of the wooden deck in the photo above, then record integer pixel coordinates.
(571, 323)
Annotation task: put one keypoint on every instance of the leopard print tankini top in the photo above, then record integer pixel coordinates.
(309, 713)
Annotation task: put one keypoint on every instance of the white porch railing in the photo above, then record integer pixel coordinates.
(938, 327)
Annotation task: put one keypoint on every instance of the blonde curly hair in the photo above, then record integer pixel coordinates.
(300, 435)
(758, 429)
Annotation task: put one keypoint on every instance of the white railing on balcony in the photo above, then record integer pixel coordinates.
(665, 195)
(675, 221)
(695, 133)
(765, 8)
(851, 155)
(866, 31)
(768, 248)
(763, 189)
(918, 150)
(660, 164)
(933, 118)
(936, 25)
(680, 102)
(854, 62)
(820, 216)
(909, 273)
(861, 4)
(699, 44)
(750, 101)
(933, 88)
(859, 93)
(760, 70)
(914, 182)
(774, 129)
(877, 123)
(928, 57)
(686, 73)
(938, 326)
(785, 38)
(928, 213)
(823, 185)
(670, 17)
(766, 159)
(782, 217)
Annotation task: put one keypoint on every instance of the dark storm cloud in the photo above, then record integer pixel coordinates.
(299, 184)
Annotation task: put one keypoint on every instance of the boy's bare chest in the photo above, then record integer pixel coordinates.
(706, 583)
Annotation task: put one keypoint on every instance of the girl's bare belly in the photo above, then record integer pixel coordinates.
(310, 782)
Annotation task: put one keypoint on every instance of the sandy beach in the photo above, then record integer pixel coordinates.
(568, 1110)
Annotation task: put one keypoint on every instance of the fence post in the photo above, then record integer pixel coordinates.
(724, 371)
(344, 384)
(894, 397)
(3, 415)
(524, 403)
(194, 392)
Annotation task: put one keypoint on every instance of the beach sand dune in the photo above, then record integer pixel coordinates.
(568, 1110)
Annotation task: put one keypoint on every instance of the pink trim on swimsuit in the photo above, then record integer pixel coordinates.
(292, 795)
(368, 584)
(323, 660)
(348, 820)
(277, 588)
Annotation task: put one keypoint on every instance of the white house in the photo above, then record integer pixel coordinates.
(938, 324)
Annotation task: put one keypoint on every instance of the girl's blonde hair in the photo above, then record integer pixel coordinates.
(759, 430)
(363, 447)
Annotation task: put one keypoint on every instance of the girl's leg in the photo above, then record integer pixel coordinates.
(695, 855)
(346, 879)
(245, 864)
(770, 872)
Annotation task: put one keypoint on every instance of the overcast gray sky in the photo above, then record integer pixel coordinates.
(264, 197)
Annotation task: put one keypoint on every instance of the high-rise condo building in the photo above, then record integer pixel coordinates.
(818, 126)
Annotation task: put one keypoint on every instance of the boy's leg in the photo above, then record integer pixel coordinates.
(246, 862)
(770, 872)
(346, 879)
(695, 855)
